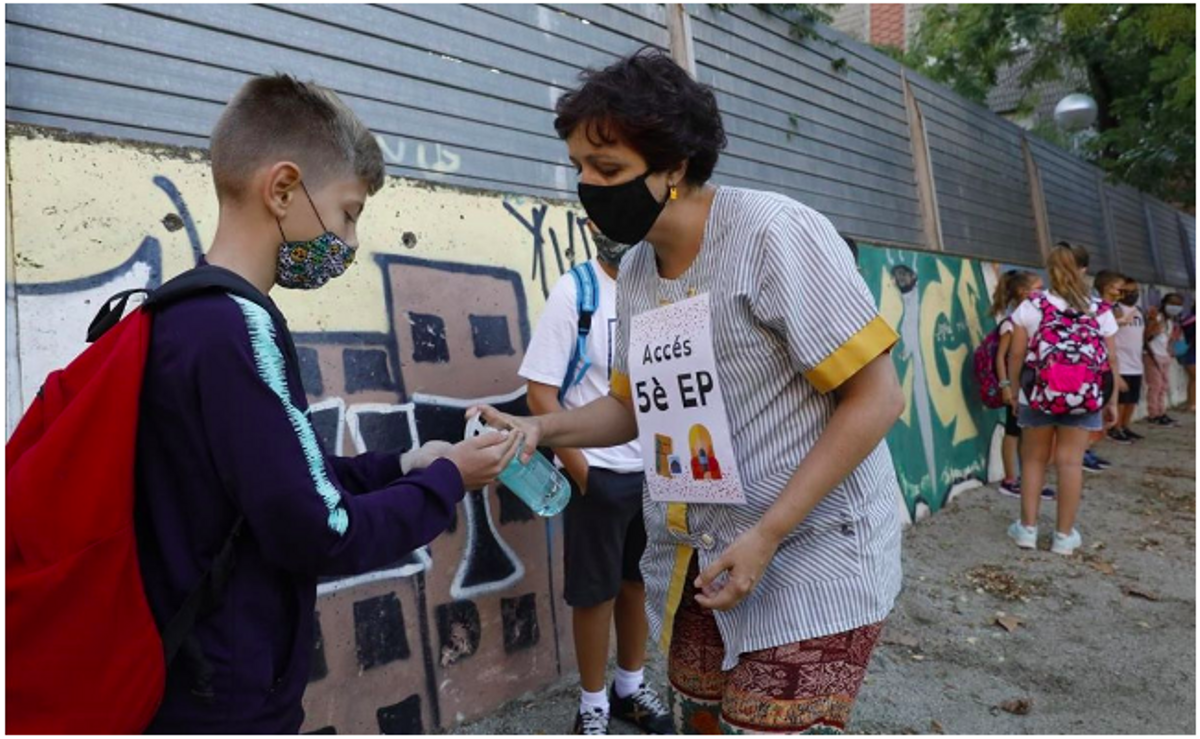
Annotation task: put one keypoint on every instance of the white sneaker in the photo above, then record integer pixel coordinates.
(1024, 536)
(1066, 544)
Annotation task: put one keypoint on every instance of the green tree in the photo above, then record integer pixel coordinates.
(1139, 60)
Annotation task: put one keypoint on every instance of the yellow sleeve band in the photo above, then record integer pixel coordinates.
(676, 522)
(619, 385)
(872, 340)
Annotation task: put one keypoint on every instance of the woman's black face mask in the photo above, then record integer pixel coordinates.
(624, 213)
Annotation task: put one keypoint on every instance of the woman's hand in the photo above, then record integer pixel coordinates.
(528, 427)
(745, 561)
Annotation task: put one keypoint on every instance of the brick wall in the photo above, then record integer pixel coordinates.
(887, 24)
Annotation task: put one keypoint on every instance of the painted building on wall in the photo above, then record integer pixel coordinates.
(434, 316)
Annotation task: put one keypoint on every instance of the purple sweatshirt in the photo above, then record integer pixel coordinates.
(224, 429)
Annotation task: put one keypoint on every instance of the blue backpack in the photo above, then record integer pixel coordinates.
(587, 300)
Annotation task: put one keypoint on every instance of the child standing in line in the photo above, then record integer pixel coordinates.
(1059, 339)
(1130, 344)
(1014, 288)
(1160, 323)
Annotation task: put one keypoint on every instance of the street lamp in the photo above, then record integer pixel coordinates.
(1075, 115)
(1075, 112)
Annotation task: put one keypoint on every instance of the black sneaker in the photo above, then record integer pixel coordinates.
(1133, 435)
(644, 709)
(1165, 420)
(1100, 461)
(1118, 435)
(594, 721)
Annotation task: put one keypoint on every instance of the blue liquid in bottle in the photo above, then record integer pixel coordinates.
(538, 483)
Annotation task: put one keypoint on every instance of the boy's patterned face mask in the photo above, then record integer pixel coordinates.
(307, 265)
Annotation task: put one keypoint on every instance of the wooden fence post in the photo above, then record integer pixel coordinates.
(1185, 242)
(1152, 240)
(1037, 198)
(1110, 229)
(923, 168)
(679, 29)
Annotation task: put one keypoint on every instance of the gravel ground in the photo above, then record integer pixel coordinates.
(1100, 643)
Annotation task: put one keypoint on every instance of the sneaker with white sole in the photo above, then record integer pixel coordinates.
(593, 721)
(1011, 488)
(1066, 544)
(1024, 536)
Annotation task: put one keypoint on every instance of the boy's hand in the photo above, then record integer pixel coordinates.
(425, 455)
(578, 473)
(529, 428)
(480, 459)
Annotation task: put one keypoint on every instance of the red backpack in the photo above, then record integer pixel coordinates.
(84, 654)
(985, 368)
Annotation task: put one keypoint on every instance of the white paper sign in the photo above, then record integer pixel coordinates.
(687, 449)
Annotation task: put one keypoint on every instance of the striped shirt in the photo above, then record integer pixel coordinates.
(791, 319)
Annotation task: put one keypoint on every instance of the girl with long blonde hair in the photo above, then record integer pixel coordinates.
(1077, 320)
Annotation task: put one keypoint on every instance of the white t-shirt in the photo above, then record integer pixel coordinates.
(1028, 316)
(1006, 323)
(551, 348)
(1130, 340)
(1160, 344)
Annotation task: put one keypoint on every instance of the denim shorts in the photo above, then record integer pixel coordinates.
(1028, 418)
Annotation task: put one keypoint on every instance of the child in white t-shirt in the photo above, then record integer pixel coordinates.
(1160, 324)
(1130, 343)
(603, 532)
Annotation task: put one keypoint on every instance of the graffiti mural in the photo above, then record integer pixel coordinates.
(939, 307)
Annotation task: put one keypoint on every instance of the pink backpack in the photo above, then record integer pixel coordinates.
(985, 369)
(1068, 359)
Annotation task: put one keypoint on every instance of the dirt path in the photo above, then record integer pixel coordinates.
(1102, 642)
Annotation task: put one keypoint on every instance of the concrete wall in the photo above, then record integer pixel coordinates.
(435, 314)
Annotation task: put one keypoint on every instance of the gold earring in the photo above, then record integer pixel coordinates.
(674, 192)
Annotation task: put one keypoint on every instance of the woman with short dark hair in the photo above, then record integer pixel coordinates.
(752, 363)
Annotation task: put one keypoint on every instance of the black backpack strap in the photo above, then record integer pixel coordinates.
(205, 597)
(210, 278)
(111, 313)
